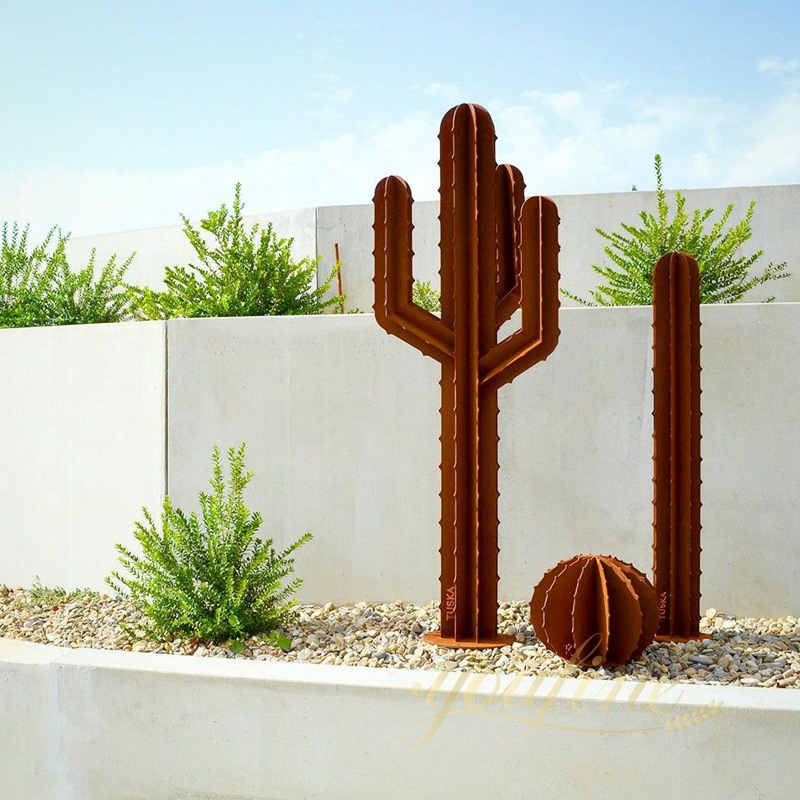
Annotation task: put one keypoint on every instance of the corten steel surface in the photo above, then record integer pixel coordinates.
(499, 252)
(594, 610)
(676, 446)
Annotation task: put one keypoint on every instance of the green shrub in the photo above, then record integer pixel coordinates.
(425, 296)
(210, 578)
(244, 274)
(724, 276)
(38, 287)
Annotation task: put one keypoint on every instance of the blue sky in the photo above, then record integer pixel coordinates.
(118, 115)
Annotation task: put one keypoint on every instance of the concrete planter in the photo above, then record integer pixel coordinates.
(103, 725)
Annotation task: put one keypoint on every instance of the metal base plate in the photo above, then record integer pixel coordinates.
(501, 640)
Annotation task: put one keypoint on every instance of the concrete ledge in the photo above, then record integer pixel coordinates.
(100, 724)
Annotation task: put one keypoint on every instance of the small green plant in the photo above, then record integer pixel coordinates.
(50, 596)
(211, 577)
(243, 274)
(38, 286)
(280, 641)
(724, 275)
(425, 296)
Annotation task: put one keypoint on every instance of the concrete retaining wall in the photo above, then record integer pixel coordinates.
(101, 725)
(344, 444)
(316, 230)
(342, 423)
(83, 448)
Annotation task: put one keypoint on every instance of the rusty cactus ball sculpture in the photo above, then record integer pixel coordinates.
(499, 253)
(595, 610)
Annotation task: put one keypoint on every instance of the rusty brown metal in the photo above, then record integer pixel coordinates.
(499, 253)
(339, 292)
(676, 446)
(593, 610)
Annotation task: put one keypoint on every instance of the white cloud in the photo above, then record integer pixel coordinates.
(702, 165)
(448, 92)
(565, 105)
(447, 89)
(330, 95)
(339, 170)
(774, 66)
(770, 149)
(324, 102)
(600, 139)
(603, 139)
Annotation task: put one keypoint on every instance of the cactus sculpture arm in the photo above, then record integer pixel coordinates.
(509, 197)
(498, 253)
(394, 310)
(538, 297)
(676, 445)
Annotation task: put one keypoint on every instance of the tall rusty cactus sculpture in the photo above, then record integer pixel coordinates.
(499, 253)
(676, 445)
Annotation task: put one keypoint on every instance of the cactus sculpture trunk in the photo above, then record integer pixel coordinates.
(676, 446)
(499, 253)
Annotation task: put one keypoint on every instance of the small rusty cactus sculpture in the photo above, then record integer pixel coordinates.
(594, 610)
(676, 445)
(499, 253)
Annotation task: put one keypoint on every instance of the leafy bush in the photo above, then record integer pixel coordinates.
(425, 296)
(38, 287)
(245, 274)
(724, 276)
(210, 578)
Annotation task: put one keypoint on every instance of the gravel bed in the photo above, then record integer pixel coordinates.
(741, 651)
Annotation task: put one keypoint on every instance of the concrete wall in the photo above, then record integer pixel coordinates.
(342, 428)
(100, 725)
(774, 232)
(315, 232)
(342, 425)
(83, 446)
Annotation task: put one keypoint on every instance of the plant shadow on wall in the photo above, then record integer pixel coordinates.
(38, 286)
(241, 274)
(210, 577)
(725, 276)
